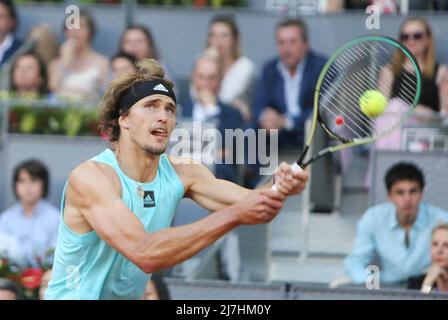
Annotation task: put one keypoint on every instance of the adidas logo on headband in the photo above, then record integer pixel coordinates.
(160, 87)
(142, 90)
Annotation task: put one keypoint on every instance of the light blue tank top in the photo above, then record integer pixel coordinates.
(86, 267)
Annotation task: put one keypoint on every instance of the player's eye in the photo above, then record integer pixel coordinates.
(171, 109)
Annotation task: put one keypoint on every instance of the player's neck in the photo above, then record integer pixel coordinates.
(136, 163)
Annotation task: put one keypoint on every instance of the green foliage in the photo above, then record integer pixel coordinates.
(26, 277)
(70, 121)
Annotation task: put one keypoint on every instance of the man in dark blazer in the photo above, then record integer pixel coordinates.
(202, 104)
(285, 93)
(9, 43)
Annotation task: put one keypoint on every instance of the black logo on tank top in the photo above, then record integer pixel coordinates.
(148, 199)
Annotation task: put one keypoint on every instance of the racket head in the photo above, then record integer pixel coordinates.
(365, 67)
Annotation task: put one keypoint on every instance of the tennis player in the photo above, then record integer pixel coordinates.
(117, 207)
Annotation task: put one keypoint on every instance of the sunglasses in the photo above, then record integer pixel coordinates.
(411, 36)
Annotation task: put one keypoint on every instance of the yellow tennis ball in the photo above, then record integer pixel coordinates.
(372, 103)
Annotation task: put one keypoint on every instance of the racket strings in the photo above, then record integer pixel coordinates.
(348, 102)
(353, 73)
(411, 83)
(366, 75)
(408, 87)
(345, 90)
(357, 81)
(349, 117)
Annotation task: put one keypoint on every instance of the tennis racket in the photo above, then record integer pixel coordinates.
(354, 87)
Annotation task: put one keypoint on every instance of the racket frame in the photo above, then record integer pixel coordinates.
(346, 143)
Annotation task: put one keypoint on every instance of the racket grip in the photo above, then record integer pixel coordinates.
(295, 168)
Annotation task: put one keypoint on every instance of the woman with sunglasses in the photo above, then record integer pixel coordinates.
(416, 35)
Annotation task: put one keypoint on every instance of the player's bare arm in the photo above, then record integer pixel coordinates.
(94, 203)
(215, 194)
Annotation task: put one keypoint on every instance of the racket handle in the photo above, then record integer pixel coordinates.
(295, 167)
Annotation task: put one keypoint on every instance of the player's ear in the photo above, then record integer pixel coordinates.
(123, 121)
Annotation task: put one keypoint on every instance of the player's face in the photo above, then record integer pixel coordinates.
(415, 38)
(439, 248)
(220, 37)
(150, 122)
(291, 46)
(29, 189)
(406, 195)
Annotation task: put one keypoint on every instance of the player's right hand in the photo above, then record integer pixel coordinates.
(261, 206)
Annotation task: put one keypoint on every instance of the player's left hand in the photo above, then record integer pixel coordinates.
(289, 182)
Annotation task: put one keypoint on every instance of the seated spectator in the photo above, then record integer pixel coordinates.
(444, 98)
(44, 284)
(435, 279)
(9, 43)
(156, 289)
(121, 64)
(32, 221)
(284, 97)
(46, 44)
(138, 41)
(204, 104)
(9, 290)
(10, 249)
(29, 77)
(151, 292)
(237, 84)
(397, 232)
(79, 72)
(417, 36)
